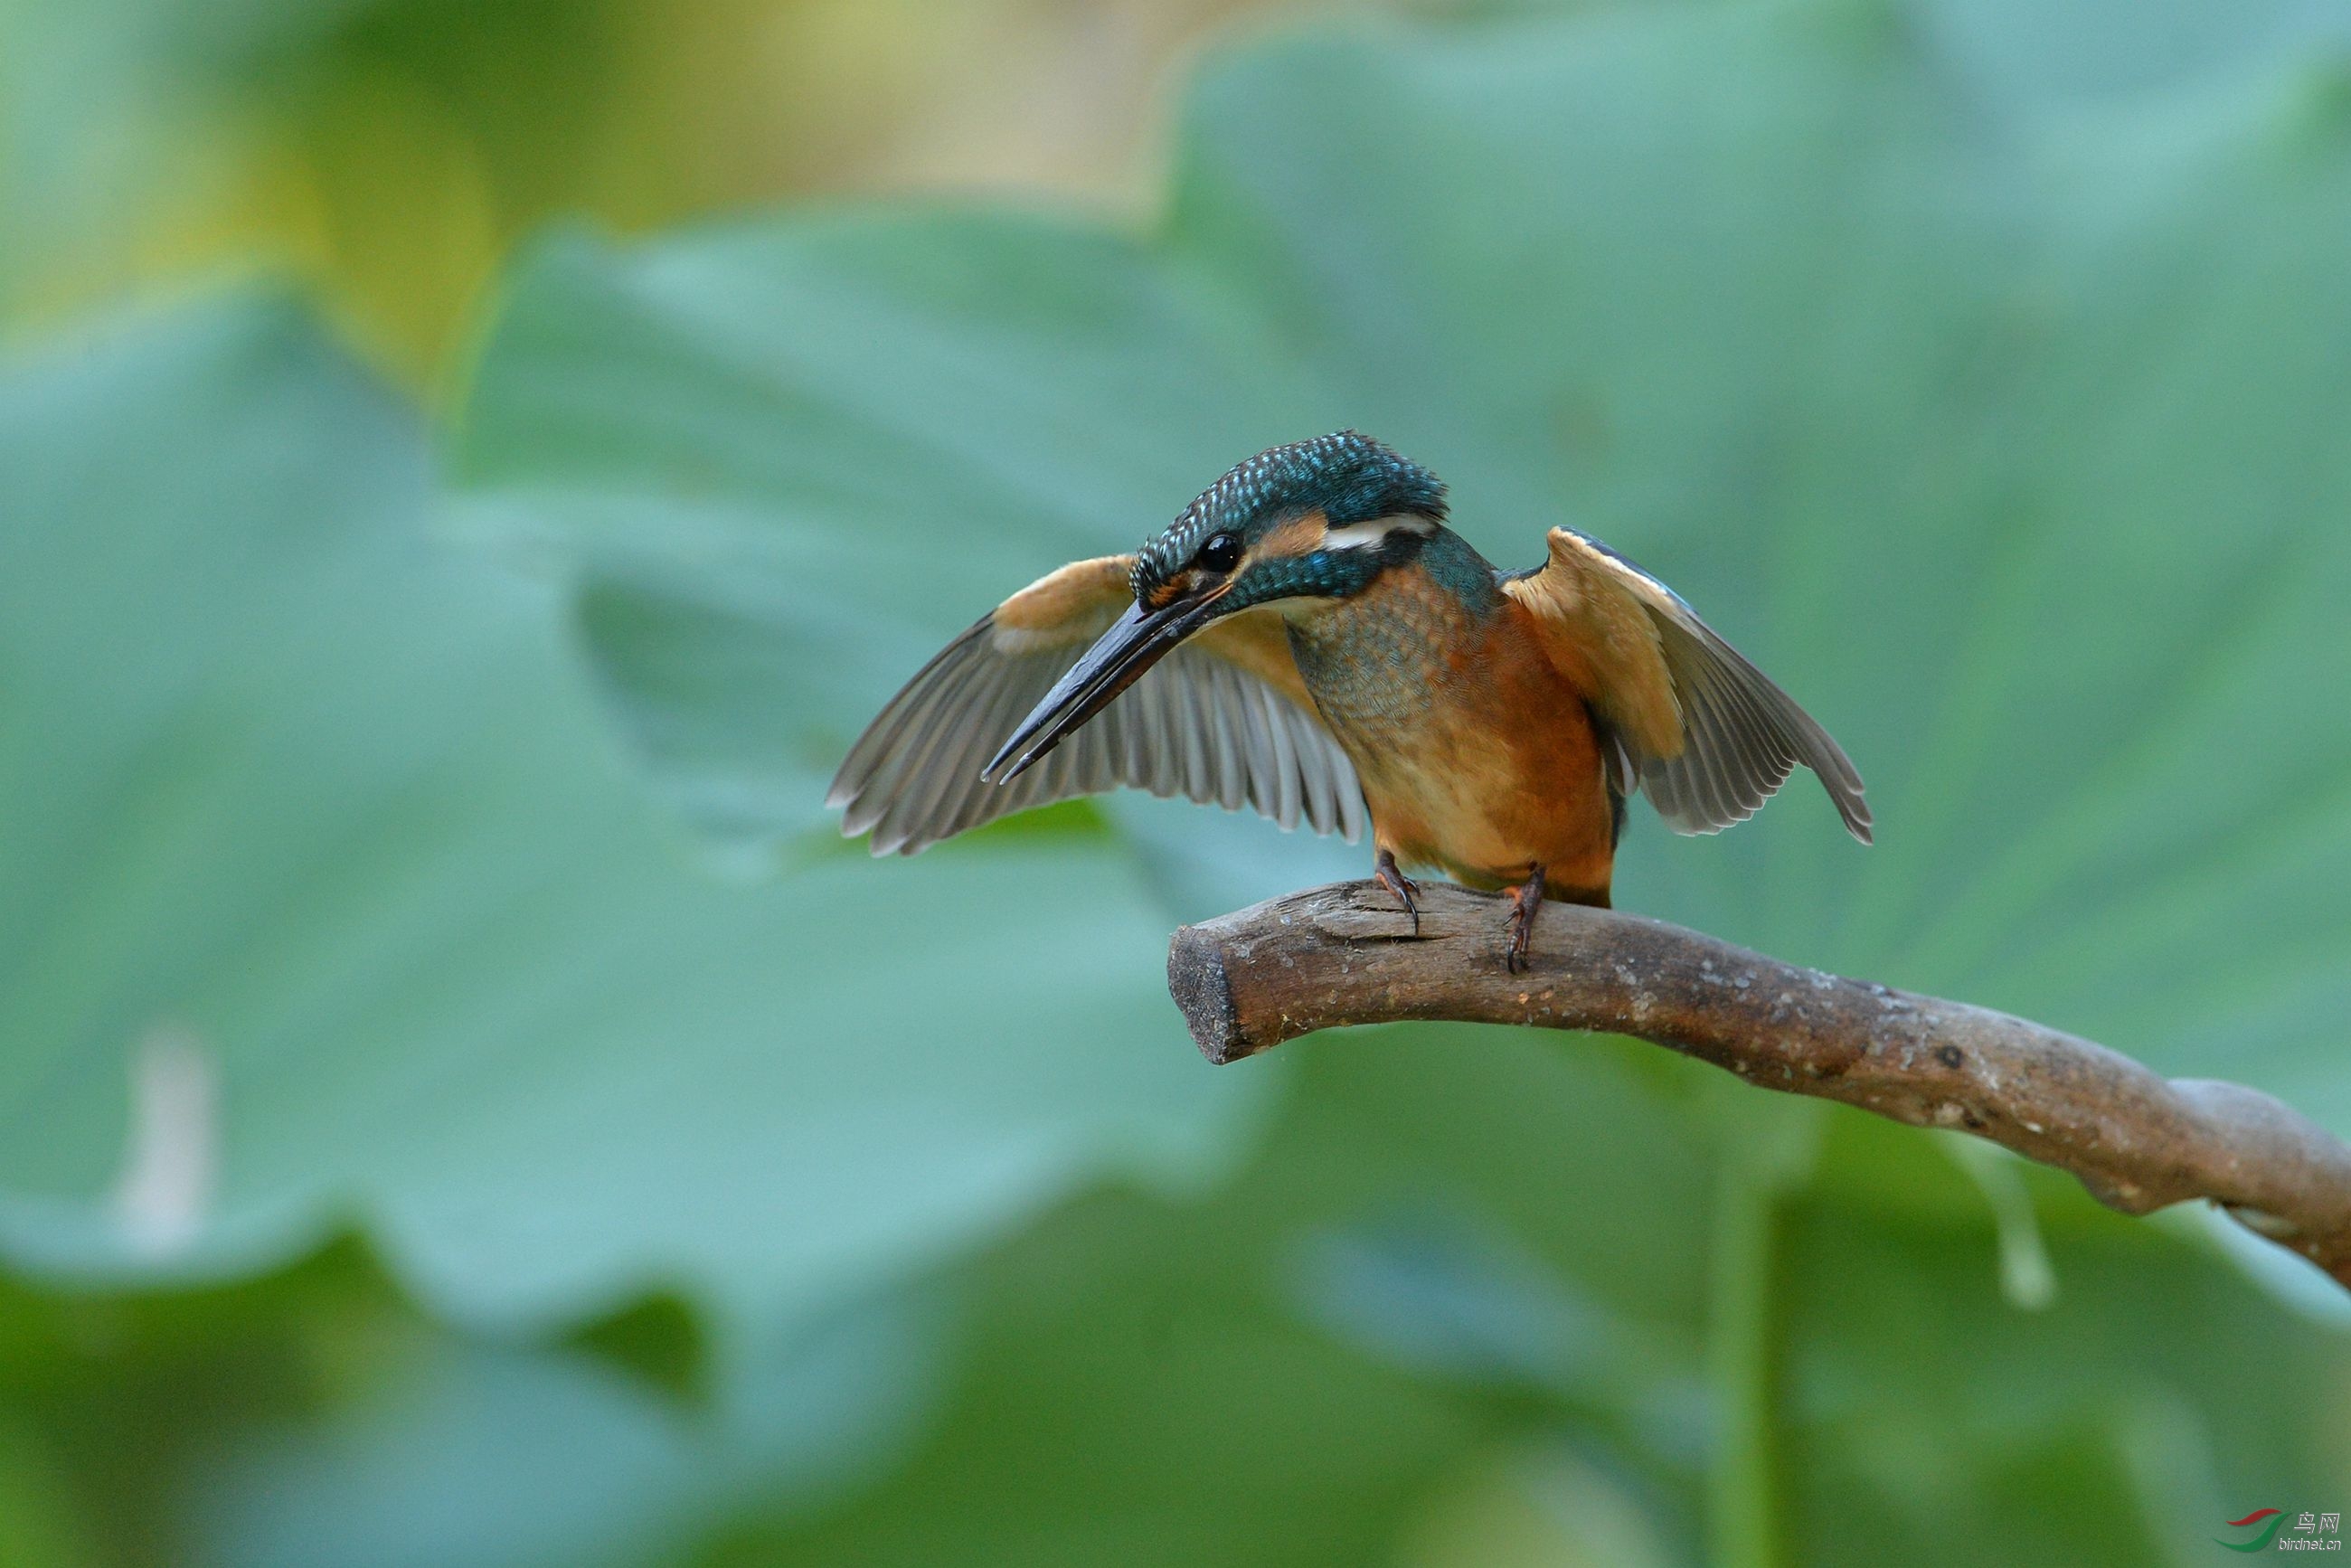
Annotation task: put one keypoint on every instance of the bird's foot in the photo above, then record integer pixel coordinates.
(1524, 902)
(1385, 873)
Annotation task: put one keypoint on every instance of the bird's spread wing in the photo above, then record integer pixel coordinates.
(1225, 719)
(1706, 734)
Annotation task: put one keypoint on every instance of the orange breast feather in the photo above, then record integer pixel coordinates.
(1505, 773)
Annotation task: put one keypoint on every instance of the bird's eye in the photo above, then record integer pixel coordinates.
(1221, 553)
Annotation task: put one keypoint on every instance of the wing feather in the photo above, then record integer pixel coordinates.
(1225, 719)
(928, 770)
(1709, 737)
(1314, 776)
(1257, 717)
(1285, 778)
(954, 771)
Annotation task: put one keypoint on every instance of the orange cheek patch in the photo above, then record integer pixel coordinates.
(1300, 536)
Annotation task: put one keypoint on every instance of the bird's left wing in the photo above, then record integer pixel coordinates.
(1707, 736)
(1225, 719)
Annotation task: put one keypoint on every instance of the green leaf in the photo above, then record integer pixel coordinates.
(1153, 1384)
(478, 1455)
(773, 517)
(1931, 1421)
(2001, 426)
(1137, 1391)
(2010, 449)
(323, 900)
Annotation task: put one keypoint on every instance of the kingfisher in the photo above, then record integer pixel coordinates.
(1309, 639)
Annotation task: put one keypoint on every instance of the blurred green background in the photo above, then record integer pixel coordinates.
(467, 468)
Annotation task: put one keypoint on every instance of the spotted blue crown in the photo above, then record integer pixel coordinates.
(1351, 478)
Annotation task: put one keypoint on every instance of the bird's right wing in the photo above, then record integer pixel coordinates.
(1225, 719)
(1707, 734)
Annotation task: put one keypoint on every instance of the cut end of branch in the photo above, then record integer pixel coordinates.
(1203, 993)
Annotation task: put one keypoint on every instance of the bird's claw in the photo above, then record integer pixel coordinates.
(1524, 902)
(1385, 873)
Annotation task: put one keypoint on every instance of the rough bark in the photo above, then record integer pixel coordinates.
(1347, 954)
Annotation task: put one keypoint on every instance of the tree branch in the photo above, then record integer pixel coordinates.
(1346, 955)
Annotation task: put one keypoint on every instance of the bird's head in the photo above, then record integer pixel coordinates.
(1315, 519)
(1297, 525)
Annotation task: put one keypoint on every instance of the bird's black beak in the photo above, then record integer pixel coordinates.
(1136, 640)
